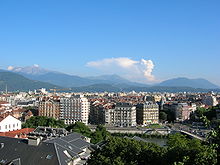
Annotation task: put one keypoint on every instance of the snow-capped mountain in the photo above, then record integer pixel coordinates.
(33, 70)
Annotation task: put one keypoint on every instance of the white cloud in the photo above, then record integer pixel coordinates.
(121, 62)
(36, 65)
(126, 67)
(149, 66)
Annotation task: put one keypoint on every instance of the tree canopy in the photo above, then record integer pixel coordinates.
(36, 121)
(80, 128)
(189, 151)
(179, 150)
(163, 116)
(210, 113)
(99, 135)
(125, 151)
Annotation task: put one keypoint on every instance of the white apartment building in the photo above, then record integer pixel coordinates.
(123, 115)
(74, 108)
(109, 116)
(9, 123)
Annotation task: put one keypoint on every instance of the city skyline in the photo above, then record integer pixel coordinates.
(147, 41)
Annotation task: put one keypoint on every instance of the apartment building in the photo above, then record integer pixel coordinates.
(147, 113)
(74, 108)
(97, 114)
(181, 111)
(49, 108)
(123, 115)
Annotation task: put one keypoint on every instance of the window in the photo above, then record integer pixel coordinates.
(49, 157)
(5, 126)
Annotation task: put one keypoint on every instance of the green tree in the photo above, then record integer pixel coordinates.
(196, 116)
(98, 158)
(170, 115)
(100, 134)
(80, 128)
(179, 151)
(189, 151)
(163, 116)
(36, 121)
(152, 154)
(120, 151)
(177, 145)
(209, 113)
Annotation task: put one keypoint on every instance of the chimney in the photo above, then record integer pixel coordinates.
(33, 140)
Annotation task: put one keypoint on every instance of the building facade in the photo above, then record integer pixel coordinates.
(97, 114)
(123, 115)
(147, 113)
(49, 108)
(210, 100)
(181, 111)
(9, 123)
(74, 108)
(109, 116)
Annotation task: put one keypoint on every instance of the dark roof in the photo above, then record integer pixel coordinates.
(122, 104)
(18, 148)
(65, 144)
(80, 143)
(64, 154)
(71, 137)
(54, 151)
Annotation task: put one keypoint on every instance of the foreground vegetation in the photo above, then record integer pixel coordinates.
(118, 150)
(100, 134)
(179, 150)
(36, 121)
(209, 114)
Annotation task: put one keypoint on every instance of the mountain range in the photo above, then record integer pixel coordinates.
(66, 80)
(16, 82)
(29, 78)
(185, 82)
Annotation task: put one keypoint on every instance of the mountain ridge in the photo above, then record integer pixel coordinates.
(113, 88)
(66, 80)
(186, 82)
(17, 82)
(115, 81)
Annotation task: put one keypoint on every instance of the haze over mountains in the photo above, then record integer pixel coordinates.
(185, 82)
(25, 78)
(66, 80)
(16, 82)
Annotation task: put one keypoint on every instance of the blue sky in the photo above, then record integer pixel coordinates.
(181, 38)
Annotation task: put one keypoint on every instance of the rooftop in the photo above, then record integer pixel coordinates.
(58, 150)
(22, 133)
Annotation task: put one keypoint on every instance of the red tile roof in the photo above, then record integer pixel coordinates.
(22, 133)
(3, 102)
